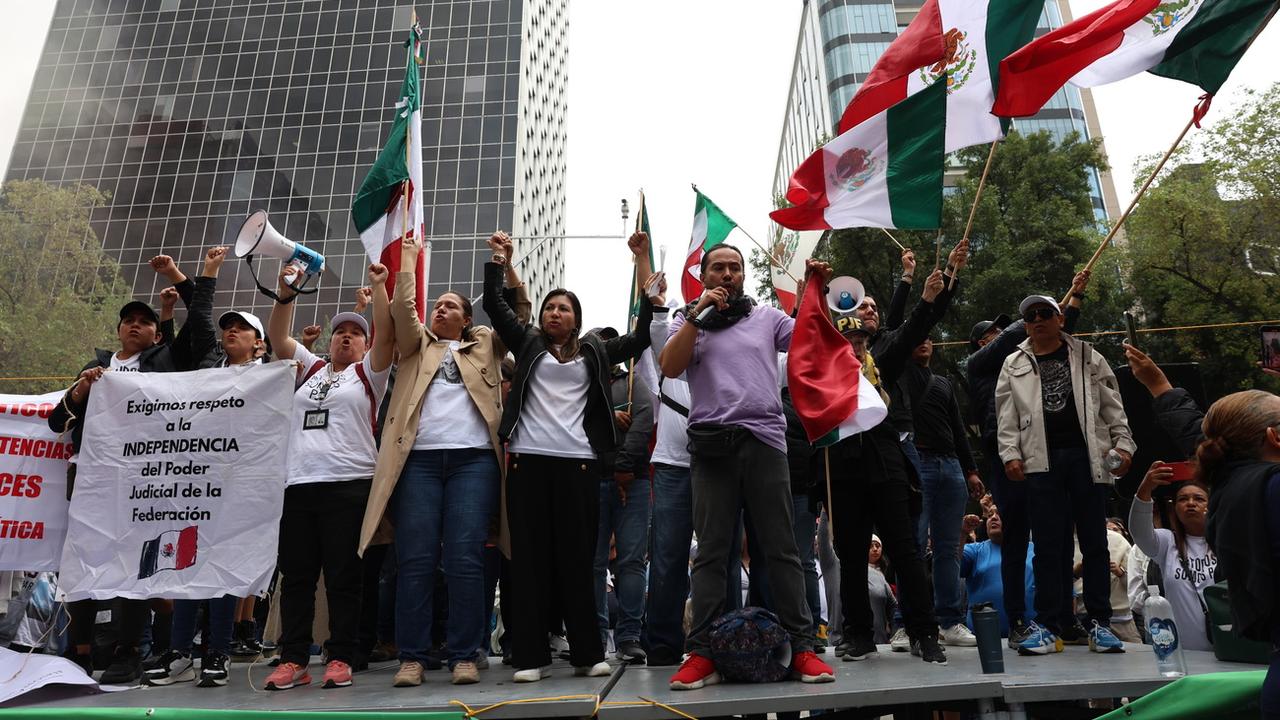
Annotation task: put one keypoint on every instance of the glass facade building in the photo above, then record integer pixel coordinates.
(193, 113)
(841, 40)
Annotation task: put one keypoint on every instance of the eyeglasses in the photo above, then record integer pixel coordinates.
(1038, 314)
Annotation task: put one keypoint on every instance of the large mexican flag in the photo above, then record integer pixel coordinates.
(965, 39)
(710, 227)
(1196, 41)
(388, 205)
(884, 172)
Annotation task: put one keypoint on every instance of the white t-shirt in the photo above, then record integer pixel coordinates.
(671, 446)
(450, 419)
(343, 449)
(1187, 611)
(133, 363)
(555, 403)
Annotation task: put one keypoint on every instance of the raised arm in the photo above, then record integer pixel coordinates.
(632, 345)
(404, 306)
(384, 336)
(515, 294)
(280, 323)
(505, 320)
(898, 303)
(198, 336)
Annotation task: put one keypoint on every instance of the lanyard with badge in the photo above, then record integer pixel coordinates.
(318, 419)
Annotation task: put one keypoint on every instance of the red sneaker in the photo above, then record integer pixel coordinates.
(336, 674)
(806, 667)
(287, 675)
(696, 672)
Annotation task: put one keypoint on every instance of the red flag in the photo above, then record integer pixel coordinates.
(921, 44)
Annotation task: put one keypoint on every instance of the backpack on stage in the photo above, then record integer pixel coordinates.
(750, 645)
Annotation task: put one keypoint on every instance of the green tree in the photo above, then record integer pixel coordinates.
(1202, 245)
(59, 291)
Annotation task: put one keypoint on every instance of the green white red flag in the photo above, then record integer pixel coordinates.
(388, 206)
(884, 172)
(828, 390)
(963, 39)
(710, 227)
(1196, 41)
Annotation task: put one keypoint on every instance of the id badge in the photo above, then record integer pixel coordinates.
(315, 419)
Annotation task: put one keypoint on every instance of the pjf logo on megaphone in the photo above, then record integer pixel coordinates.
(257, 237)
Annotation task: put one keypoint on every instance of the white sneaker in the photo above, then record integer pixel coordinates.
(957, 635)
(532, 674)
(600, 669)
(900, 642)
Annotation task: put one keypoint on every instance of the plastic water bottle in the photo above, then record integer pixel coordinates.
(1164, 635)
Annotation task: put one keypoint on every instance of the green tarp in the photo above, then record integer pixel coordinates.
(1217, 696)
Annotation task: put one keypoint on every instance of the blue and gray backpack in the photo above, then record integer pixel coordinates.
(750, 645)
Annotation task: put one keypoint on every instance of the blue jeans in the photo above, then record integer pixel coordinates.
(443, 502)
(222, 617)
(628, 525)
(1063, 495)
(945, 492)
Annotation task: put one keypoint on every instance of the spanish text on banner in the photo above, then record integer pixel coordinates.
(33, 483)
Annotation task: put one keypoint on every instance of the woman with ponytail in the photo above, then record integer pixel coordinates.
(558, 420)
(1239, 461)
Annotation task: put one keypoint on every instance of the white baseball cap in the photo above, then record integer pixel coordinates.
(249, 318)
(344, 317)
(1038, 300)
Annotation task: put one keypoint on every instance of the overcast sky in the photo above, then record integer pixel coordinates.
(664, 93)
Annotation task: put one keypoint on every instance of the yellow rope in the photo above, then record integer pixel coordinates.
(646, 702)
(470, 712)
(1176, 328)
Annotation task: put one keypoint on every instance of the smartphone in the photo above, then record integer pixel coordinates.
(1271, 346)
(1182, 471)
(1131, 328)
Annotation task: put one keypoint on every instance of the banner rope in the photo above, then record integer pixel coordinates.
(1100, 333)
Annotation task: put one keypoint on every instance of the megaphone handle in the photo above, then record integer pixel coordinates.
(248, 259)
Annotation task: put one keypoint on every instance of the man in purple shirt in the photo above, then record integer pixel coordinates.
(728, 348)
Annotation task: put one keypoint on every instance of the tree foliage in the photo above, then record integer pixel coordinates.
(1204, 247)
(59, 292)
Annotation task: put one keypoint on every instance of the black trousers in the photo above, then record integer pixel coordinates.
(871, 492)
(319, 532)
(130, 618)
(553, 510)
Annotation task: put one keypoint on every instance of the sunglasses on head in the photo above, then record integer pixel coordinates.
(1037, 314)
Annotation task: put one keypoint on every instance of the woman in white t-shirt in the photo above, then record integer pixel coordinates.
(331, 462)
(1185, 560)
(558, 419)
(439, 469)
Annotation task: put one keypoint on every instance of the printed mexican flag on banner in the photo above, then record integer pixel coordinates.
(710, 227)
(1196, 41)
(830, 394)
(885, 172)
(966, 39)
(388, 205)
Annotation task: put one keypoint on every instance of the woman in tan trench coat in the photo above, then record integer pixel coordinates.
(439, 473)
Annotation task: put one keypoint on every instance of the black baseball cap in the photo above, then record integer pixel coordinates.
(137, 306)
(1000, 321)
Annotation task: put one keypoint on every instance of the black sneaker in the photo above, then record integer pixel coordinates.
(213, 670)
(125, 669)
(630, 652)
(661, 656)
(1075, 634)
(859, 649)
(1019, 631)
(172, 667)
(929, 650)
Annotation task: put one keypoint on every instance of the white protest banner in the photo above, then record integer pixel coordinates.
(33, 483)
(179, 484)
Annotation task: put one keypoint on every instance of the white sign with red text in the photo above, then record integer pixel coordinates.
(33, 483)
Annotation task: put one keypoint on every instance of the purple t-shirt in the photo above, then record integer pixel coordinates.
(733, 376)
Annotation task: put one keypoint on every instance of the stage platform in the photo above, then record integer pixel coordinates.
(891, 679)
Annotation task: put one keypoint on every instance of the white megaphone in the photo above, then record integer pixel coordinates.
(257, 237)
(845, 294)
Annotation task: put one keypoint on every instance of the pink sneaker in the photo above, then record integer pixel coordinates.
(336, 674)
(287, 675)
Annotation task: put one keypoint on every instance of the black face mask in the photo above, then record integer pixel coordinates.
(738, 308)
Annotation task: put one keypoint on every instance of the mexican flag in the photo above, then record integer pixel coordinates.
(1196, 41)
(963, 39)
(884, 172)
(791, 248)
(828, 390)
(710, 227)
(388, 205)
(173, 550)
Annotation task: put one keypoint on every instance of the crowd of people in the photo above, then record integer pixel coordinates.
(605, 491)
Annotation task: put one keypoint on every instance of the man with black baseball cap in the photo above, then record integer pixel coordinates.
(141, 350)
(990, 342)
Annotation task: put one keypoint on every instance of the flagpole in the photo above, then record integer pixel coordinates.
(1201, 108)
(831, 516)
(977, 197)
(772, 260)
(408, 165)
(894, 239)
(635, 298)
